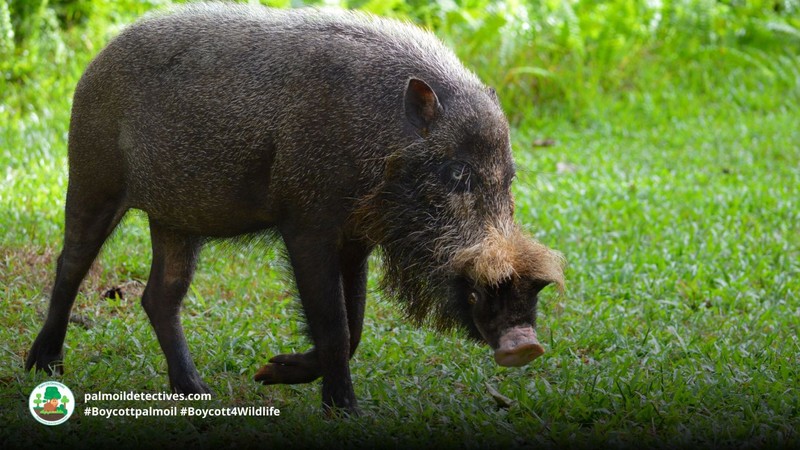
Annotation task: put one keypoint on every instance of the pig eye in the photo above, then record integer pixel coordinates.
(474, 297)
(457, 176)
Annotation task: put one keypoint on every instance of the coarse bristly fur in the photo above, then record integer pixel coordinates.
(505, 253)
(337, 131)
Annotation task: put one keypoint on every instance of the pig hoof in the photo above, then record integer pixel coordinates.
(335, 412)
(192, 385)
(295, 368)
(338, 399)
(49, 364)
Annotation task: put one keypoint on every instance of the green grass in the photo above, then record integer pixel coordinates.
(673, 189)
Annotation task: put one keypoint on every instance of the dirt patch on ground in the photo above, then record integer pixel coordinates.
(29, 263)
(27, 275)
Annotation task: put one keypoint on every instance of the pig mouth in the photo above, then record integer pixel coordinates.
(518, 346)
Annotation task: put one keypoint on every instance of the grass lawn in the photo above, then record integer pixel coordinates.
(677, 209)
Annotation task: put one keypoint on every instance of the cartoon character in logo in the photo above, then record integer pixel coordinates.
(50, 403)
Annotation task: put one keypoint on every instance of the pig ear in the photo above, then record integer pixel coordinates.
(493, 95)
(421, 104)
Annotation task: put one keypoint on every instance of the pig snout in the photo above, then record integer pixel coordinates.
(518, 346)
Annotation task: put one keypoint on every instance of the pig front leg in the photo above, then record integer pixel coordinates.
(297, 368)
(318, 272)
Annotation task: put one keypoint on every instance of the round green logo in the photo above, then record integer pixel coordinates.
(51, 403)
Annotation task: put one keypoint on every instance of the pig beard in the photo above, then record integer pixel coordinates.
(418, 248)
(418, 273)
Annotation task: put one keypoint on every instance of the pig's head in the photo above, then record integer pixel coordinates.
(501, 277)
(443, 216)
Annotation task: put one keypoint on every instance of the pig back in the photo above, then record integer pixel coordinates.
(265, 112)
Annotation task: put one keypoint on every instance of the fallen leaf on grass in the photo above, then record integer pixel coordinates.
(544, 142)
(565, 167)
(501, 400)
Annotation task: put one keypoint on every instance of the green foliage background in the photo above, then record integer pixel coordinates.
(672, 187)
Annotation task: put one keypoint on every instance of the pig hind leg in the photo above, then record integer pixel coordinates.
(297, 368)
(91, 214)
(174, 260)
